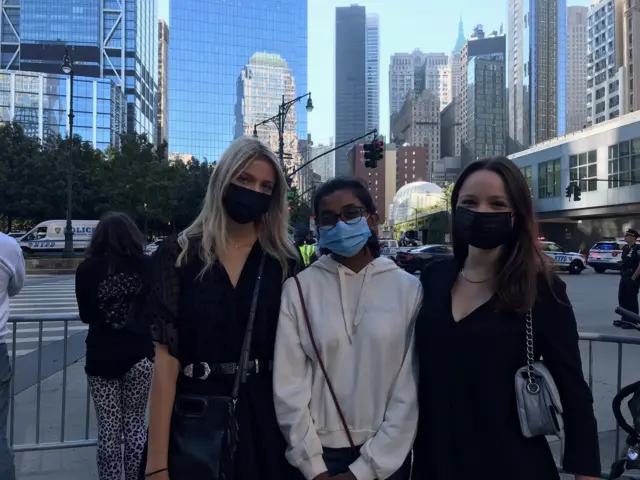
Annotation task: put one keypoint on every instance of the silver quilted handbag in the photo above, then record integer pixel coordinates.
(537, 396)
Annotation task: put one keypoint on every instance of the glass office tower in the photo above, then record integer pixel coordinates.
(218, 52)
(112, 39)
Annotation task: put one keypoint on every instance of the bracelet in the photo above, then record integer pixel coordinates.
(147, 475)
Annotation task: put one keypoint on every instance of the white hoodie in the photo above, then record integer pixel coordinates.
(363, 324)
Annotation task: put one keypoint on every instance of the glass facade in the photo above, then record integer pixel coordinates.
(230, 63)
(111, 39)
(40, 103)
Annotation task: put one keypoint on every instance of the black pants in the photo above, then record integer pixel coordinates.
(628, 294)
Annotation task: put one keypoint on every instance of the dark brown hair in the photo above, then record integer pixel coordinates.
(521, 262)
(116, 235)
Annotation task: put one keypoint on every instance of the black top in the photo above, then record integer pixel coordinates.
(106, 288)
(630, 259)
(204, 320)
(468, 425)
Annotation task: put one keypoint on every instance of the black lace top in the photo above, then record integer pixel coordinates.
(204, 320)
(106, 288)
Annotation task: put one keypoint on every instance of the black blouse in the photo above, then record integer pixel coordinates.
(203, 319)
(468, 426)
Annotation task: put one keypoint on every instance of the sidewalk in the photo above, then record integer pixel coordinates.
(65, 464)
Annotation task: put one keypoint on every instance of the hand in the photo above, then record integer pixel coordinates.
(322, 476)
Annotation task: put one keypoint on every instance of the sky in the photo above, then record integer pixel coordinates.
(430, 25)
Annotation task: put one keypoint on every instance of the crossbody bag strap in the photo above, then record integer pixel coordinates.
(532, 385)
(322, 367)
(243, 364)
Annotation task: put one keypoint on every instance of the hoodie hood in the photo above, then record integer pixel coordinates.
(353, 286)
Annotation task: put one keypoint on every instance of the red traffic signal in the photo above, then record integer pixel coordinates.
(373, 153)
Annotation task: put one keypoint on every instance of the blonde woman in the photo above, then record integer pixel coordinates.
(201, 301)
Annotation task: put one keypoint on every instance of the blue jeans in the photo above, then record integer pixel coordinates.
(339, 459)
(7, 468)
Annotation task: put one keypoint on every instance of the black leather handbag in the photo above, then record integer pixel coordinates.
(204, 431)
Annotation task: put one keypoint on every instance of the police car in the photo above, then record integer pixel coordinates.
(568, 261)
(606, 255)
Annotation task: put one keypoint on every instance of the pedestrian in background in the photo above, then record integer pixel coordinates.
(213, 303)
(348, 408)
(12, 275)
(629, 285)
(119, 357)
(493, 309)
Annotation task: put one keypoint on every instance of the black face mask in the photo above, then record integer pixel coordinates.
(244, 205)
(484, 230)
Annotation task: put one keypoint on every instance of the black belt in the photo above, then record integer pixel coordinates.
(203, 370)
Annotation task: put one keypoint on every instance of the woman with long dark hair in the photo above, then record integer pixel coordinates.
(119, 362)
(486, 314)
(344, 380)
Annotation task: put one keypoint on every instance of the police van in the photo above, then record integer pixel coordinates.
(49, 236)
(568, 261)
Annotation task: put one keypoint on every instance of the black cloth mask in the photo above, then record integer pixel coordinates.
(483, 230)
(244, 205)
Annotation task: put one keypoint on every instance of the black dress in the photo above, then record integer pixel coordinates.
(468, 425)
(204, 320)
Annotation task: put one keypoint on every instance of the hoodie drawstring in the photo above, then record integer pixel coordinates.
(349, 326)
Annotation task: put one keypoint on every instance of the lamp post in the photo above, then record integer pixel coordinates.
(67, 68)
(280, 120)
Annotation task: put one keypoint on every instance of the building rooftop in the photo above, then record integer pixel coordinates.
(268, 59)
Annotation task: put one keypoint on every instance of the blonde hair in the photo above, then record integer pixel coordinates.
(211, 223)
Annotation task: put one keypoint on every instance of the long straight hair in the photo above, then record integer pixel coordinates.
(521, 262)
(116, 235)
(211, 224)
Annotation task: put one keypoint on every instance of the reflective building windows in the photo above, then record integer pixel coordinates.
(229, 65)
(40, 104)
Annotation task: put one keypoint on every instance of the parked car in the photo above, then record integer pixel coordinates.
(17, 235)
(390, 248)
(150, 248)
(606, 255)
(415, 260)
(571, 262)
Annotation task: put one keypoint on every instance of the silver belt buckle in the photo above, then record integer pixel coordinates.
(188, 370)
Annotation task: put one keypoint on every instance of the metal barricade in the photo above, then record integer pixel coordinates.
(59, 439)
(26, 384)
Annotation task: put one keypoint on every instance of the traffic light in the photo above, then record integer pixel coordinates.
(576, 192)
(570, 190)
(373, 153)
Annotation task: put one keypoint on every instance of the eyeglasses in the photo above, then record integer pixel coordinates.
(349, 215)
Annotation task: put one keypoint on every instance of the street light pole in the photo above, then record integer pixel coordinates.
(67, 68)
(279, 121)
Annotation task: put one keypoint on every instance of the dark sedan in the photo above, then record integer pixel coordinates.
(415, 260)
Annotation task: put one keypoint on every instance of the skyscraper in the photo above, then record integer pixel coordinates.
(351, 81)
(372, 63)
(576, 67)
(163, 81)
(261, 86)
(537, 62)
(212, 43)
(110, 39)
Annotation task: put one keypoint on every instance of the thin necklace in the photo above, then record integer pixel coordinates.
(469, 280)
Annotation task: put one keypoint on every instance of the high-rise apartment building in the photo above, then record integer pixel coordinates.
(163, 82)
(324, 166)
(110, 39)
(576, 68)
(606, 75)
(483, 109)
(350, 80)
(212, 43)
(372, 65)
(404, 76)
(631, 51)
(537, 62)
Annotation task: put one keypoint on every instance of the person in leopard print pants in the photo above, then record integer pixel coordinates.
(119, 362)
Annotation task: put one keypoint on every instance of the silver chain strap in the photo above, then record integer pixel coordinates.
(532, 385)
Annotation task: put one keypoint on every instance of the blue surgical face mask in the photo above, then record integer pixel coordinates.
(345, 239)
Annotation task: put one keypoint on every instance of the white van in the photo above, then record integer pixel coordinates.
(49, 236)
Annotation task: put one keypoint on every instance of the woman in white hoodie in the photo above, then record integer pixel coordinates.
(345, 396)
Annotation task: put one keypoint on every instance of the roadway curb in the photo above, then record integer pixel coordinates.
(43, 272)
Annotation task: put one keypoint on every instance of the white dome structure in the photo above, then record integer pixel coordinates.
(416, 196)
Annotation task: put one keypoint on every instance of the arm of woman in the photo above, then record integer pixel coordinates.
(292, 390)
(561, 353)
(83, 293)
(160, 310)
(384, 453)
